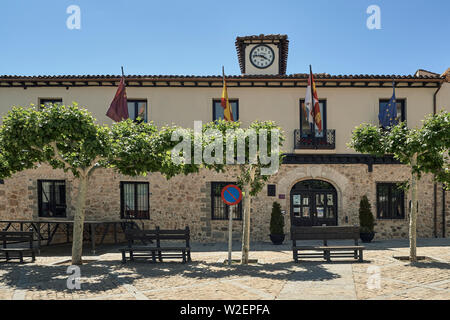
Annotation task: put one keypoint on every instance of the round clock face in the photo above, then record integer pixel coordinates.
(262, 56)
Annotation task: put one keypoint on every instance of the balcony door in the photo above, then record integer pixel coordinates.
(306, 129)
(313, 203)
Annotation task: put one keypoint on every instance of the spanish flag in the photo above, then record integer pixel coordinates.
(227, 111)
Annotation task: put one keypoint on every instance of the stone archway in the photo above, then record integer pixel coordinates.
(297, 173)
(313, 202)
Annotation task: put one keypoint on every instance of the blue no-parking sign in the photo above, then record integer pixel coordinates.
(231, 194)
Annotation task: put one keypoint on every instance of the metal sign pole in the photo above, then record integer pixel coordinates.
(230, 236)
(231, 196)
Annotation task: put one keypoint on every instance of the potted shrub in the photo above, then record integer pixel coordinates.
(366, 220)
(277, 224)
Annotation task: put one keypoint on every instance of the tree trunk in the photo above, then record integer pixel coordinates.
(77, 241)
(413, 215)
(246, 224)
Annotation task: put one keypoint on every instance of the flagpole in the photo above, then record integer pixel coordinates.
(223, 75)
(122, 73)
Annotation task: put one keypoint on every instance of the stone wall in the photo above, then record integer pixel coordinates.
(186, 200)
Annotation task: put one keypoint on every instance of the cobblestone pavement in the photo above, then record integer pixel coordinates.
(275, 276)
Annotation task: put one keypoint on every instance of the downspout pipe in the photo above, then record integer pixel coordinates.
(435, 184)
(443, 212)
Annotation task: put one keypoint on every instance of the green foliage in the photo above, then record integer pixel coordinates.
(69, 138)
(259, 180)
(435, 143)
(366, 220)
(276, 219)
(431, 144)
(367, 138)
(138, 148)
(63, 136)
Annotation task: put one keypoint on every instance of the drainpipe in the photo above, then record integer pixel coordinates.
(443, 212)
(435, 184)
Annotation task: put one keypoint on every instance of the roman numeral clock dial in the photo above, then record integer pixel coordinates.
(262, 56)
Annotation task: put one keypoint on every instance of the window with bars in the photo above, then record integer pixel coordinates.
(390, 201)
(134, 200)
(220, 210)
(52, 198)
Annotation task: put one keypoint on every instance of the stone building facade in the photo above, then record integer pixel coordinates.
(186, 200)
(341, 175)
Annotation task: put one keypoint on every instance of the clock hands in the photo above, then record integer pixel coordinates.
(261, 56)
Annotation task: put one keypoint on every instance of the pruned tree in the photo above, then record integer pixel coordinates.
(68, 138)
(257, 152)
(424, 150)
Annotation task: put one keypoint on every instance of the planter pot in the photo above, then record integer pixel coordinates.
(277, 239)
(366, 237)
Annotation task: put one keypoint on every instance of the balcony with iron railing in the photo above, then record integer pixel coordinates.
(327, 142)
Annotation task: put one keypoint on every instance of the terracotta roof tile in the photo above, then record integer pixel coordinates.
(295, 76)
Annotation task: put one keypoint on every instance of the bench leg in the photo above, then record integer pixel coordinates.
(295, 256)
(355, 254)
(160, 256)
(328, 255)
(189, 256)
(131, 256)
(21, 257)
(361, 258)
(184, 256)
(7, 256)
(33, 257)
(153, 257)
(124, 258)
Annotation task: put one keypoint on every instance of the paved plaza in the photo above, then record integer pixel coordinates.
(275, 276)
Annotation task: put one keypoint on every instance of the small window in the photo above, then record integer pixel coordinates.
(401, 111)
(137, 110)
(390, 201)
(220, 210)
(52, 198)
(271, 190)
(134, 200)
(306, 127)
(46, 102)
(218, 109)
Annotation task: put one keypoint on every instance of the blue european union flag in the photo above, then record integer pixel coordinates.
(388, 112)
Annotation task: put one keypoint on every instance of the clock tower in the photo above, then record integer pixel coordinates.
(263, 54)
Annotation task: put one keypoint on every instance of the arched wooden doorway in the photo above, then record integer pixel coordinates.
(313, 203)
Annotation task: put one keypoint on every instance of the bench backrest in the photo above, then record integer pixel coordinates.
(324, 233)
(11, 237)
(157, 235)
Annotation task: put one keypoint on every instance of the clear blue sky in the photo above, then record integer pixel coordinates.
(197, 37)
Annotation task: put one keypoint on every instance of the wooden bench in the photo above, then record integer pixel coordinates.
(326, 234)
(151, 245)
(23, 245)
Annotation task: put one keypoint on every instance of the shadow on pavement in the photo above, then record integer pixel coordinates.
(101, 276)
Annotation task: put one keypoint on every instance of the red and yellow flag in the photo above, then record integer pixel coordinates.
(317, 115)
(227, 111)
(312, 103)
